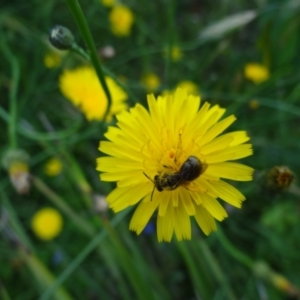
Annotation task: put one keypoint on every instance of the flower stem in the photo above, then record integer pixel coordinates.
(234, 252)
(170, 38)
(12, 94)
(78, 50)
(216, 270)
(61, 204)
(91, 246)
(87, 36)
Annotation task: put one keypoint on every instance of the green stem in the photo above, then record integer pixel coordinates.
(171, 12)
(42, 275)
(75, 48)
(12, 94)
(3, 292)
(78, 50)
(60, 203)
(234, 252)
(81, 257)
(87, 36)
(216, 270)
(198, 282)
(15, 222)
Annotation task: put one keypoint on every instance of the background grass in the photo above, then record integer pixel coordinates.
(95, 256)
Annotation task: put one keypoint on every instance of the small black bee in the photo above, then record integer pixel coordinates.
(189, 171)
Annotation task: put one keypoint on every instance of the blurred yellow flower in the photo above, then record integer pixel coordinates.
(253, 104)
(82, 87)
(189, 86)
(52, 60)
(151, 82)
(53, 167)
(107, 3)
(47, 223)
(176, 53)
(121, 19)
(256, 72)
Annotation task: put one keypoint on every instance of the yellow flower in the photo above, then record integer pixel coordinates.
(47, 223)
(151, 81)
(82, 87)
(107, 3)
(189, 86)
(172, 159)
(121, 19)
(256, 72)
(52, 60)
(53, 167)
(254, 104)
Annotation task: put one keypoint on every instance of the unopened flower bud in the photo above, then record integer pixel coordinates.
(61, 37)
(16, 163)
(279, 178)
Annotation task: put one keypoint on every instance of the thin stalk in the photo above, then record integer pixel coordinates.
(81, 257)
(216, 270)
(60, 203)
(170, 17)
(78, 50)
(42, 275)
(198, 282)
(87, 36)
(3, 292)
(15, 70)
(138, 282)
(233, 251)
(14, 221)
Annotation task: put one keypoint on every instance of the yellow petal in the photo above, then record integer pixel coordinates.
(205, 220)
(216, 130)
(186, 200)
(230, 170)
(142, 214)
(232, 153)
(182, 224)
(164, 203)
(229, 193)
(165, 226)
(121, 198)
(213, 207)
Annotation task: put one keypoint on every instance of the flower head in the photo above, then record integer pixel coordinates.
(256, 72)
(172, 159)
(151, 81)
(254, 104)
(279, 178)
(53, 167)
(47, 223)
(108, 3)
(176, 53)
(52, 60)
(189, 86)
(121, 19)
(82, 87)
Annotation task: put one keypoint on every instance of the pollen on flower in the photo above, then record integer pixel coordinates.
(174, 160)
